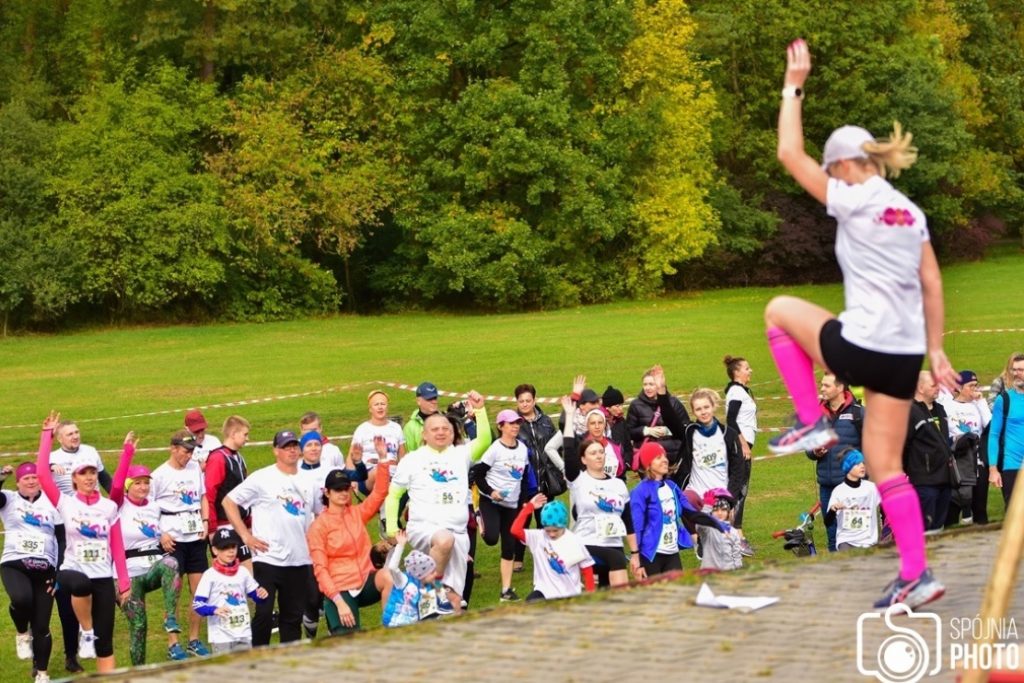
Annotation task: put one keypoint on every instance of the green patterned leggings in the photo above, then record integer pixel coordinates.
(163, 575)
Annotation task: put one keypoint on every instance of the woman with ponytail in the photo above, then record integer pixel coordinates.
(893, 315)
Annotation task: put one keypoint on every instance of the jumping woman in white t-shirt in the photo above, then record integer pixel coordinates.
(893, 314)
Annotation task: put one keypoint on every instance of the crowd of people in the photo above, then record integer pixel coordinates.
(646, 482)
(293, 536)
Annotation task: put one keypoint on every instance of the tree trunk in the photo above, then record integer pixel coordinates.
(209, 24)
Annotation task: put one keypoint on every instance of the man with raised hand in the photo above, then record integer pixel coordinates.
(436, 477)
(281, 502)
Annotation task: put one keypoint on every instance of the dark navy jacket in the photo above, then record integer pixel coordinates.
(847, 423)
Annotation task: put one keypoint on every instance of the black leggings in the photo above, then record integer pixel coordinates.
(103, 594)
(498, 523)
(31, 605)
(662, 562)
(1009, 479)
(289, 585)
(68, 620)
(741, 504)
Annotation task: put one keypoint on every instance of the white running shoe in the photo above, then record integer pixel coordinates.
(42, 677)
(23, 645)
(86, 645)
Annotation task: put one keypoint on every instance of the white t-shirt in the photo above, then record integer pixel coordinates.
(221, 589)
(710, 463)
(668, 543)
(857, 523)
(202, 451)
(179, 496)
(28, 528)
(746, 420)
(331, 457)
(438, 486)
(508, 467)
(140, 528)
(87, 528)
(282, 510)
(965, 417)
(878, 246)
(552, 574)
(599, 506)
(316, 478)
(392, 434)
(69, 461)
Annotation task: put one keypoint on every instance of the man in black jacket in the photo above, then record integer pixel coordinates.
(927, 455)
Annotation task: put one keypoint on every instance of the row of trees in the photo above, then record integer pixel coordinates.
(257, 158)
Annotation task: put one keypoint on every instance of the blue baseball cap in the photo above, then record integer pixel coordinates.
(426, 390)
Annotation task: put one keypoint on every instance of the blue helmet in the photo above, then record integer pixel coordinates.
(554, 514)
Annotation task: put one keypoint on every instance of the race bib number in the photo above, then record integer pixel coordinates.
(191, 522)
(712, 459)
(447, 498)
(29, 543)
(92, 552)
(237, 620)
(668, 537)
(855, 520)
(611, 467)
(428, 603)
(610, 526)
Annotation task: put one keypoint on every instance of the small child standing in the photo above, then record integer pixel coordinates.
(413, 597)
(560, 558)
(854, 505)
(221, 594)
(720, 551)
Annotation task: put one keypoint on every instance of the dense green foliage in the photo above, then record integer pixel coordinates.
(249, 159)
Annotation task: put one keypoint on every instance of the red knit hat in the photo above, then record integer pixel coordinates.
(648, 452)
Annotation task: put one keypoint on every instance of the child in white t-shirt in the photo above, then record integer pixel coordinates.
(854, 506)
(221, 596)
(560, 558)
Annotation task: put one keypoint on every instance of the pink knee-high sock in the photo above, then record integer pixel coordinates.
(903, 511)
(797, 372)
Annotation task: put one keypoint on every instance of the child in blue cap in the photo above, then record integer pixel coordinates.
(854, 504)
(561, 560)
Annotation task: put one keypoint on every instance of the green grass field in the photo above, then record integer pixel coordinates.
(101, 376)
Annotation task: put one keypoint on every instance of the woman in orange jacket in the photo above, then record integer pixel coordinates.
(340, 547)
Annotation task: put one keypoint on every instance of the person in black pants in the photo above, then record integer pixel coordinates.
(282, 510)
(27, 568)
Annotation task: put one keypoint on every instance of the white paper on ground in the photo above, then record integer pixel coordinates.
(707, 598)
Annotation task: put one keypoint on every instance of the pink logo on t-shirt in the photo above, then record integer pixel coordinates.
(894, 216)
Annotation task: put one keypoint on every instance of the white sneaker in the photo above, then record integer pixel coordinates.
(42, 677)
(86, 645)
(23, 645)
(967, 521)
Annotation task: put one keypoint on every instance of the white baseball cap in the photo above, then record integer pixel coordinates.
(846, 143)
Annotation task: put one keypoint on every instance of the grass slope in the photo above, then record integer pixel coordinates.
(110, 373)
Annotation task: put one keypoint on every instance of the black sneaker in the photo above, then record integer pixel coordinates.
(309, 626)
(509, 595)
(72, 666)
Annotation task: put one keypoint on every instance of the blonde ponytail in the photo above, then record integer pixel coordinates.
(893, 154)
